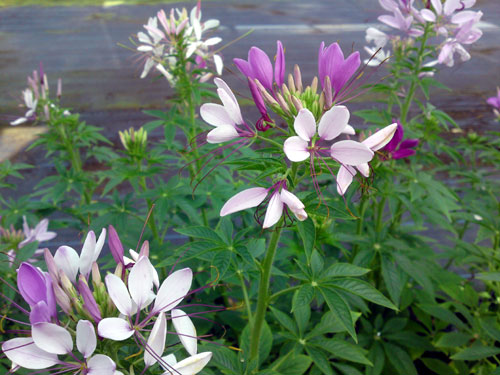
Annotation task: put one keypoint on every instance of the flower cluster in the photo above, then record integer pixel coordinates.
(36, 98)
(451, 22)
(315, 121)
(129, 309)
(177, 39)
(17, 239)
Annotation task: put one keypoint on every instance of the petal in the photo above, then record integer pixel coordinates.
(349, 130)
(116, 329)
(261, 67)
(52, 338)
(364, 169)
(186, 330)
(294, 204)
(173, 290)
(168, 360)
(274, 211)
(222, 133)
(344, 178)
(245, 199)
(140, 282)
(351, 152)
(381, 138)
(115, 245)
(231, 106)
(450, 6)
(223, 85)
(31, 284)
(438, 6)
(86, 340)
(219, 64)
(87, 253)
(99, 245)
(428, 15)
(333, 122)
(23, 352)
(215, 114)
(40, 313)
(67, 260)
(19, 121)
(101, 364)
(409, 143)
(119, 294)
(403, 153)
(156, 341)
(192, 365)
(279, 64)
(295, 149)
(244, 67)
(305, 124)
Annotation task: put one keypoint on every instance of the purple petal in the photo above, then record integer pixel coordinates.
(115, 245)
(257, 97)
(89, 302)
(279, 65)
(261, 67)
(345, 71)
(31, 284)
(404, 153)
(40, 313)
(409, 143)
(245, 199)
(244, 67)
(396, 139)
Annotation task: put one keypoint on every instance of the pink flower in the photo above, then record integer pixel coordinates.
(279, 202)
(494, 101)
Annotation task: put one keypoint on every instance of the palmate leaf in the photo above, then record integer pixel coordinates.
(303, 296)
(399, 359)
(476, 352)
(362, 289)
(294, 364)
(343, 349)
(320, 360)
(340, 308)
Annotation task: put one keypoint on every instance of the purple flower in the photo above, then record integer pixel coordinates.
(494, 101)
(35, 287)
(331, 64)
(115, 245)
(399, 149)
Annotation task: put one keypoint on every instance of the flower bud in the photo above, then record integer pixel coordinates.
(89, 302)
(291, 84)
(62, 299)
(115, 245)
(96, 274)
(298, 78)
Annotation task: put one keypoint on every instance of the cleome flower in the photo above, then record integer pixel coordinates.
(280, 201)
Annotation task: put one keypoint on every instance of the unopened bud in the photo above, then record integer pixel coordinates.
(62, 298)
(282, 103)
(298, 78)
(119, 270)
(144, 252)
(291, 84)
(66, 284)
(285, 91)
(51, 265)
(297, 103)
(59, 88)
(89, 302)
(267, 97)
(314, 85)
(96, 274)
(327, 90)
(322, 101)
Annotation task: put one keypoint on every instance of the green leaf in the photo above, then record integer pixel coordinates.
(475, 353)
(453, 340)
(307, 233)
(320, 360)
(317, 262)
(339, 307)
(303, 296)
(377, 356)
(221, 261)
(393, 279)
(488, 276)
(343, 270)
(297, 364)
(265, 344)
(400, 359)
(417, 271)
(302, 315)
(225, 359)
(363, 290)
(330, 323)
(284, 320)
(443, 314)
(343, 349)
(200, 232)
(439, 367)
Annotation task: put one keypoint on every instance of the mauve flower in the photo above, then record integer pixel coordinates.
(494, 101)
(39, 233)
(331, 64)
(399, 149)
(280, 200)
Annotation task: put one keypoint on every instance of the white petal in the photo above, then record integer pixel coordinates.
(52, 338)
(333, 122)
(219, 64)
(294, 204)
(215, 114)
(274, 211)
(143, 38)
(156, 341)
(119, 294)
(99, 245)
(101, 365)
(231, 106)
(192, 365)
(210, 24)
(86, 340)
(221, 84)
(245, 199)
(428, 15)
(169, 361)
(351, 152)
(140, 282)
(364, 169)
(305, 124)
(23, 352)
(87, 254)
(173, 290)
(19, 121)
(213, 41)
(147, 67)
(67, 260)
(186, 330)
(143, 48)
(116, 329)
(344, 178)
(379, 139)
(222, 133)
(349, 130)
(295, 149)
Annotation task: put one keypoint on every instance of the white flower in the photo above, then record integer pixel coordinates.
(31, 104)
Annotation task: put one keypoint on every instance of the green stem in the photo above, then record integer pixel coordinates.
(263, 295)
(359, 228)
(416, 70)
(283, 291)
(245, 297)
(380, 214)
